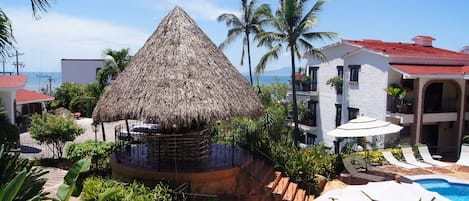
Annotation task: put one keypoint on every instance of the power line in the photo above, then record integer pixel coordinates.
(17, 63)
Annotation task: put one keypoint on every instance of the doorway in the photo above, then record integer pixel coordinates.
(430, 137)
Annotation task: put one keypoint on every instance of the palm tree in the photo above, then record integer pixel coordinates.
(292, 28)
(119, 60)
(250, 22)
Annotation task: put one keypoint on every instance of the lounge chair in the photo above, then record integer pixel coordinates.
(393, 161)
(354, 173)
(359, 162)
(427, 157)
(410, 158)
(464, 156)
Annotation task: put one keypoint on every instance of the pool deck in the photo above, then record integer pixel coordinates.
(448, 178)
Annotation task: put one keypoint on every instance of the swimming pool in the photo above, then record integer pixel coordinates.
(452, 191)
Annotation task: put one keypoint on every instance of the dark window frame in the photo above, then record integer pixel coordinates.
(353, 113)
(354, 73)
(313, 73)
(338, 114)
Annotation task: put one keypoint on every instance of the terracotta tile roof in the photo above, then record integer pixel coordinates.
(406, 49)
(24, 96)
(432, 69)
(12, 81)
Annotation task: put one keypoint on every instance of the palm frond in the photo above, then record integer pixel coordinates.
(6, 35)
(321, 36)
(39, 6)
(267, 57)
(230, 19)
(315, 53)
(231, 36)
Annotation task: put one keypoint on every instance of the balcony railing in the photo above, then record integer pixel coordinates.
(306, 87)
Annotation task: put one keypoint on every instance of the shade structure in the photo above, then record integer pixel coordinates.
(179, 78)
(382, 191)
(363, 127)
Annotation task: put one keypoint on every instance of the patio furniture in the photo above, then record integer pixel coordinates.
(428, 158)
(393, 161)
(360, 162)
(410, 158)
(354, 173)
(464, 156)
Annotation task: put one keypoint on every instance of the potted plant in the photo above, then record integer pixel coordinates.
(398, 94)
(306, 82)
(337, 83)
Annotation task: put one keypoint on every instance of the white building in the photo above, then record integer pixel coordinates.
(80, 71)
(8, 86)
(435, 109)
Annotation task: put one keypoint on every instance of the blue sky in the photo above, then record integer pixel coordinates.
(83, 29)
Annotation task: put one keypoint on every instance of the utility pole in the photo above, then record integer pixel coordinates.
(17, 64)
(49, 78)
(3, 66)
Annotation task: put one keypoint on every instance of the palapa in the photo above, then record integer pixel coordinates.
(179, 77)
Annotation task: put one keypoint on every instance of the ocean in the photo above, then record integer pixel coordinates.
(40, 80)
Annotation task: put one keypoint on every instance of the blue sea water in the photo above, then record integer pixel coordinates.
(39, 80)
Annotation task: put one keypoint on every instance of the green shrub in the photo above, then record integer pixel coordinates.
(376, 156)
(466, 139)
(9, 133)
(54, 130)
(99, 151)
(94, 186)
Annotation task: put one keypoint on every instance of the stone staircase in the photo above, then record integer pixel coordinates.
(259, 181)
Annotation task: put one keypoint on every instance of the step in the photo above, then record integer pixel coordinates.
(300, 195)
(272, 184)
(269, 175)
(281, 187)
(309, 198)
(291, 192)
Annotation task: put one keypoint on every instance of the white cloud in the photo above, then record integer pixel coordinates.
(56, 36)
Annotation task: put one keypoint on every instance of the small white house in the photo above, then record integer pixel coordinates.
(80, 71)
(434, 110)
(8, 86)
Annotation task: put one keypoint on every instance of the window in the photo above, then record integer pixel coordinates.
(338, 114)
(312, 108)
(313, 73)
(340, 71)
(354, 69)
(352, 113)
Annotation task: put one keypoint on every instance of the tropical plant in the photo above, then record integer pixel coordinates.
(70, 186)
(466, 139)
(18, 179)
(8, 133)
(95, 188)
(337, 82)
(291, 26)
(250, 21)
(98, 151)
(64, 95)
(55, 131)
(119, 59)
(398, 94)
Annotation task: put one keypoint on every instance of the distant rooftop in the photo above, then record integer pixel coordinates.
(12, 81)
(24, 96)
(418, 48)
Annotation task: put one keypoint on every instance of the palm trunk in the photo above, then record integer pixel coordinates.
(249, 57)
(296, 130)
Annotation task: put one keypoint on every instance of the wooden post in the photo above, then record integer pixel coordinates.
(104, 133)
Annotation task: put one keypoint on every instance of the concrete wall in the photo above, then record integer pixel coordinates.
(80, 71)
(8, 101)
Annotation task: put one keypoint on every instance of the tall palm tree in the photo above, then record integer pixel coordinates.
(292, 28)
(250, 21)
(119, 60)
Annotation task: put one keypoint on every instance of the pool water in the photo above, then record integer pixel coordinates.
(452, 191)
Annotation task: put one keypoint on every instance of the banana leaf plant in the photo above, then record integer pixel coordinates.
(70, 187)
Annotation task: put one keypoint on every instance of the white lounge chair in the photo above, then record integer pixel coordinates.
(354, 173)
(464, 156)
(393, 161)
(410, 158)
(427, 157)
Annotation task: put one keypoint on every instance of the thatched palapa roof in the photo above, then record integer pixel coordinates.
(179, 77)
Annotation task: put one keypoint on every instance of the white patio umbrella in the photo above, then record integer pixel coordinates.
(364, 127)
